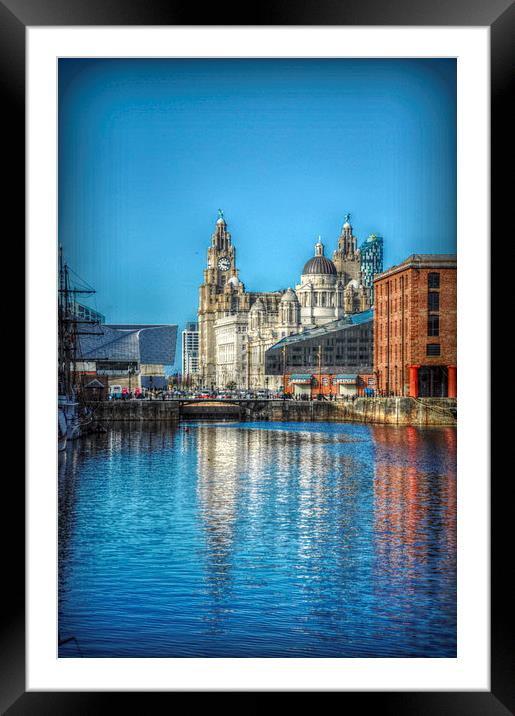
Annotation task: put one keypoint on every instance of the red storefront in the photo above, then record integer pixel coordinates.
(328, 385)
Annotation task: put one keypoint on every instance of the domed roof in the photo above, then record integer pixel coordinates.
(289, 296)
(319, 265)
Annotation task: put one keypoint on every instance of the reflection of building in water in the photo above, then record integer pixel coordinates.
(218, 470)
(414, 510)
(304, 482)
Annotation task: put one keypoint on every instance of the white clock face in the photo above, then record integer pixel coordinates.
(224, 264)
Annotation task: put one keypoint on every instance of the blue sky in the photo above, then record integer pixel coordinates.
(150, 149)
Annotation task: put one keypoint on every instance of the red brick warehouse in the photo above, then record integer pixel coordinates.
(415, 327)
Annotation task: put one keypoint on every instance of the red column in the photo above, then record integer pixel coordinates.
(413, 380)
(451, 381)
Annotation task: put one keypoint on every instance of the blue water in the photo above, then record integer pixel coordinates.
(259, 540)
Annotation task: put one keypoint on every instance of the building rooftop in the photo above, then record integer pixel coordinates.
(144, 343)
(341, 323)
(421, 261)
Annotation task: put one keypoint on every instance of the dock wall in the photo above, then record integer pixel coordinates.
(384, 411)
(135, 410)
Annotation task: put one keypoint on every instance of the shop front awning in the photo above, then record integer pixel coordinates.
(301, 378)
(346, 378)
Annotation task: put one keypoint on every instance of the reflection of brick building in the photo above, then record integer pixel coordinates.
(415, 327)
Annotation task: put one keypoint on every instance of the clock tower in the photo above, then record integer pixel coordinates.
(222, 293)
(221, 257)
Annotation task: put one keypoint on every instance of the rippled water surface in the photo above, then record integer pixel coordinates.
(259, 540)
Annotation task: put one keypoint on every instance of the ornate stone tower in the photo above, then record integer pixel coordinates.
(289, 312)
(220, 290)
(347, 257)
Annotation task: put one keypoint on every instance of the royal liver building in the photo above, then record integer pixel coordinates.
(236, 327)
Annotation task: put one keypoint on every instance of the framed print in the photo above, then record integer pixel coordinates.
(426, 547)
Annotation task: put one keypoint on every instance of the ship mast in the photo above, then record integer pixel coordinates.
(69, 328)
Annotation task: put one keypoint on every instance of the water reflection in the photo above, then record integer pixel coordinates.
(415, 531)
(265, 539)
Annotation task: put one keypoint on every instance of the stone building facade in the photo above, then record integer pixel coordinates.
(415, 327)
(237, 327)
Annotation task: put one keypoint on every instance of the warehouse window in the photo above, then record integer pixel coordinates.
(433, 280)
(433, 349)
(433, 326)
(433, 301)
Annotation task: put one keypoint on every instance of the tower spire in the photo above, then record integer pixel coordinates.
(319, 247)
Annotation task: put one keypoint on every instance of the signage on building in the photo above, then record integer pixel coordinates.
(346, 379)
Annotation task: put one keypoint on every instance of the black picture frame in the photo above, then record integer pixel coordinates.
(499, 15)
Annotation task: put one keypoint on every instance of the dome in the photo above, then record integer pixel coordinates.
(221, 220)
(320, 265)
(289, 296)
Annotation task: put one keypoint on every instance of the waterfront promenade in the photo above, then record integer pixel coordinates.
(382, 411)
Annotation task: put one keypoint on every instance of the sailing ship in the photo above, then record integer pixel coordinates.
(73, 415)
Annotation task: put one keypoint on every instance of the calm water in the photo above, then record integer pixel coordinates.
(259, 540)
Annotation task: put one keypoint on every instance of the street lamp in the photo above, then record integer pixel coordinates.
(132, 370)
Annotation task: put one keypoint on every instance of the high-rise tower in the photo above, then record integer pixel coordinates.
(189, 351)
(371, 261)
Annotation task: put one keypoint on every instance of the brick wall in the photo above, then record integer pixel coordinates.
(403, 308)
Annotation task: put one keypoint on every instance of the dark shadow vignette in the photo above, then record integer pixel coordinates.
(143, 12)
(12, 89)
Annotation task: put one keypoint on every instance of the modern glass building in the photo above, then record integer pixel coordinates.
(190, 357)
(130, 355)
(371, 261)
(333, 359)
